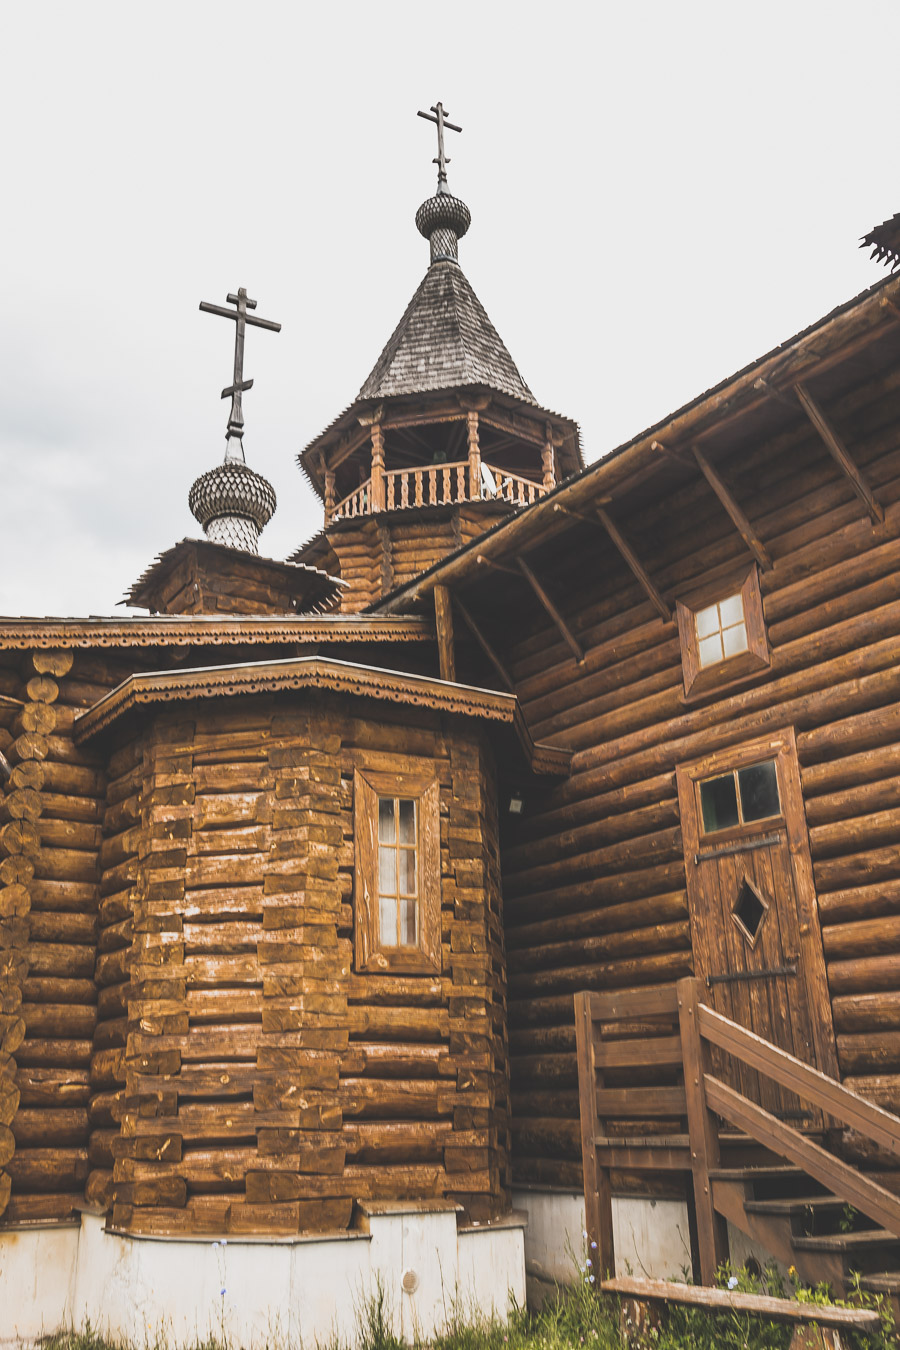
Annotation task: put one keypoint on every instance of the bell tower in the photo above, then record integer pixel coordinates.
(444, 437)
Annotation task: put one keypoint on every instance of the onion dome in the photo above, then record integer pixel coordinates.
(232, 503)
(443, 220)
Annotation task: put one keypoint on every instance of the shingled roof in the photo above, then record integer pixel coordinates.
(445, 340)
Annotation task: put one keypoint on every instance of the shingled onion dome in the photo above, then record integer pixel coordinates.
(443, 220)
(232, 503)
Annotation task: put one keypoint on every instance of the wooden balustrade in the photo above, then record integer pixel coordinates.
(438, 485)
(684, 1101)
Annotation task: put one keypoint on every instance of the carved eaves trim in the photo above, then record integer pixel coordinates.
(310, 672)
(199, 630)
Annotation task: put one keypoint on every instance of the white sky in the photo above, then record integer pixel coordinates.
(660, 192)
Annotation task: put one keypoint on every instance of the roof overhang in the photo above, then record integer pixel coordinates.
(352, 428)
(156, 688)
(850, 331)
(309, 586)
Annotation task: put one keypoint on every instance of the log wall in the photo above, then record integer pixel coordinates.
(594, 880)
(51, 842)
(267, 1087)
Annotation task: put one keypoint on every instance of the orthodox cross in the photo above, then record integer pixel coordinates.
(240, 318)
(440, 120)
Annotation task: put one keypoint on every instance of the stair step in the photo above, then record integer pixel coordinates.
(843, 1242)
(882, 1282)
(789, 1204)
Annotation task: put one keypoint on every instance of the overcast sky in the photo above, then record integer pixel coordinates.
(660, 192)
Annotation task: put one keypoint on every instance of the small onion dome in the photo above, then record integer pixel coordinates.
(443, 220)
(233, 504)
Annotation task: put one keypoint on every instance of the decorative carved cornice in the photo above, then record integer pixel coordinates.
(308, 672)
(177, 630)
(313, 672)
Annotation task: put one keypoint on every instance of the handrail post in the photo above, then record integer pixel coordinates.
(597, 1190)
(712, 1230)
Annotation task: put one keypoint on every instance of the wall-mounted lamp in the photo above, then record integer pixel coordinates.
(516, 803)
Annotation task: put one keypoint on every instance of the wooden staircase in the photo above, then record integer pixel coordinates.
(789, 1190)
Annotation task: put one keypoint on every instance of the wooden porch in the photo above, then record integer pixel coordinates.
(667, 1085)
(437, 485)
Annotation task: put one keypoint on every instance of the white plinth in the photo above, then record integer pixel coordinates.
(255, 1292)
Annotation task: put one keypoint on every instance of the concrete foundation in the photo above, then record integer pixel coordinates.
(255, 1292)
(651, 1236)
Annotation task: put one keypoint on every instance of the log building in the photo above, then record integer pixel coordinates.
(300, 873)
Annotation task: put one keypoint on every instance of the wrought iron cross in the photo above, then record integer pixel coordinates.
(440, 120)
(240, 318)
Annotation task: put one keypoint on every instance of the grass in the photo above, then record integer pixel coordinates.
(576, 1319)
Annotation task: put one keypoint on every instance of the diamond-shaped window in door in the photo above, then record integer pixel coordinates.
(749, 911)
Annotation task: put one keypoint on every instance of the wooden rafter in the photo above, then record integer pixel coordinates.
(839, 452)
(739, 520)
(627, 552)
(484, 644)
(443, 619)
(565, 631)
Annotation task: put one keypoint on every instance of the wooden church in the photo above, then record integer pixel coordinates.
(301, 873)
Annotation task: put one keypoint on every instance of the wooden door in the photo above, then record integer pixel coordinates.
(754, 918)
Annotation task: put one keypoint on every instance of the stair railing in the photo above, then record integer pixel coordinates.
(691, 1028)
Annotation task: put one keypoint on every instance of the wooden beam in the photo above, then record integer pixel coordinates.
(345, 447)
(654, 596)
(839, 452)
(567, 635)
(443, 619)
(484, 644)
(739, 520)
(777, 394)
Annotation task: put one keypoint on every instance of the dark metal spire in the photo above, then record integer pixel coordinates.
(438, 117)
(240, 318)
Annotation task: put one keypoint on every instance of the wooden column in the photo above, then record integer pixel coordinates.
(377, 467)
(329, 495)
(474, 458)
(547, 459)
(712, 1232)
(443, 618)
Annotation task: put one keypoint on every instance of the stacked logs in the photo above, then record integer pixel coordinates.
(594, 883)
(266, 1086)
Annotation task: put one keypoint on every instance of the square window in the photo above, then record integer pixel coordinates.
(723, 637)
(398, 864)
(739, 797)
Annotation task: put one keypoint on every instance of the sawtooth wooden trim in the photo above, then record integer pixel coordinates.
(303, 673)
(190, 631)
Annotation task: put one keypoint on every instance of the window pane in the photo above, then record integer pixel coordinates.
(759, 791)
(387, 920)
(718, 802)
(731, 610)
(408, 871)
(707, 621)
(407, 821)
(710, 650)
(735, 640)
(387, 871)
(387, 829)
(408, 937)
